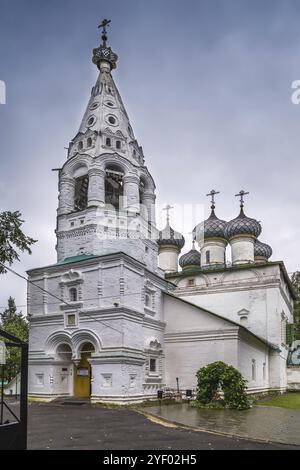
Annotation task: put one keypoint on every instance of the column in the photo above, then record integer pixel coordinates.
(96, 192)
(66, 195)
(131, 193)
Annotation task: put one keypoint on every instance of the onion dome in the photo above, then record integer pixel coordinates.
(169, 237)
(191, 259)
(242, 225)
(210, 228)
(262, 250)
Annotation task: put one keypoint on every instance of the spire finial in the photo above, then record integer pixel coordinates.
(167, 209)
(212, 194)
(103, 25)
(241, 195)
(104, 54)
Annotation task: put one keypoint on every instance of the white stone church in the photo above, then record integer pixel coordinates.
(115, 318)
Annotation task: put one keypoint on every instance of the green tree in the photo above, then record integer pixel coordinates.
(15, 323)
(12, 238)
(220, 377)
(296, 284)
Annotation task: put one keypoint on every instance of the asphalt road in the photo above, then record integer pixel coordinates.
(84, 428)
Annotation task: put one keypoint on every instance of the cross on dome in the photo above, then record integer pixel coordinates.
(212, 194)
(242, 194)
(167, 209)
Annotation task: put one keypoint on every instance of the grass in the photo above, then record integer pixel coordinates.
(288, 400)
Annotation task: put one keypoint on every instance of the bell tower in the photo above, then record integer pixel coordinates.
(106, 193)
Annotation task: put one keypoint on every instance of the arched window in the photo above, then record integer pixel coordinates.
(141, 191)
(207, 257)
(80, 145)
(81, 193)
(118, 144)
(108, 142)
(147, 300)
(73, 294)
(64, 352)
(89, 142)
(114, 186)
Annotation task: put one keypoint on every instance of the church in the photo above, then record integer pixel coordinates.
(122, 314)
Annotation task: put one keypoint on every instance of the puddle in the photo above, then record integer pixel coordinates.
(272, 424)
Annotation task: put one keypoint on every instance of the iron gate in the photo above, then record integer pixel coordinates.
(13, 424)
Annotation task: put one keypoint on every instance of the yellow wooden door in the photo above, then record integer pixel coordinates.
(82, 377)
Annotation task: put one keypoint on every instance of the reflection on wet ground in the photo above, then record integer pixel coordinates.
(272, 424)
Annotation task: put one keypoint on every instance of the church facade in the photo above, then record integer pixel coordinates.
(115, 319)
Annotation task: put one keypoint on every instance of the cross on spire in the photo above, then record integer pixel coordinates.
(212, 194)
(103, 25)
(242, 194)
(167, 209)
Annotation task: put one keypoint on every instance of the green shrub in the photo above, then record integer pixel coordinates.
(220, 377)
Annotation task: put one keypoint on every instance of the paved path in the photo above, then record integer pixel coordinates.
(84, 427)
(261, 422)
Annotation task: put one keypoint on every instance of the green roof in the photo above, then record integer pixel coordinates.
(74, 259)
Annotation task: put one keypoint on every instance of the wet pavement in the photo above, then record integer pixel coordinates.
(259, 423)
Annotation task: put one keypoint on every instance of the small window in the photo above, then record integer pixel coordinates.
(39, 379)
(108, 142)
(118, 144)
(264, 371)
(152, 365)
(191, 282)
(72, 223)
(112, 120)
(207, 256)
(91, 121)
(253, 369)
(71, 320)
(146, 249)
(73, 294)
(109, 103)
(80, 145)
(147, 300)
(89, 142)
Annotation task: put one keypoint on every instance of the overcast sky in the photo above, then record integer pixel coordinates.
(207, 86)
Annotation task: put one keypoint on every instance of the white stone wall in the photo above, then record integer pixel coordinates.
(195, 338)
(216, 249)
(111, 314)
(168, 259)
(242, 250)
(254, 297)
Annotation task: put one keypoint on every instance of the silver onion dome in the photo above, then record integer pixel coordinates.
(262, 250)
(242, 225)
(168, 236)
(190, 259)
(210, 228)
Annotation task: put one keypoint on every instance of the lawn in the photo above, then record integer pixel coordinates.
(288, 400)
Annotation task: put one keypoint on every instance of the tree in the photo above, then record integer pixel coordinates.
(220, 377)
(13, 322)
(296, 284)
(12, 238)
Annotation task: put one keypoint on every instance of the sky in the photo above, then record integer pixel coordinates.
(207, 86)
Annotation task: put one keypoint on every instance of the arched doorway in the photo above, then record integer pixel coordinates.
(82, 372)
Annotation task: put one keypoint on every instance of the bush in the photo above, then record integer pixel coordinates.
(220, 377)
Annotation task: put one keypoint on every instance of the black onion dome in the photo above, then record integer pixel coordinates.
(168, 236)
(262, 250)
(242, 225)
(210, 228)
(192, 258)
